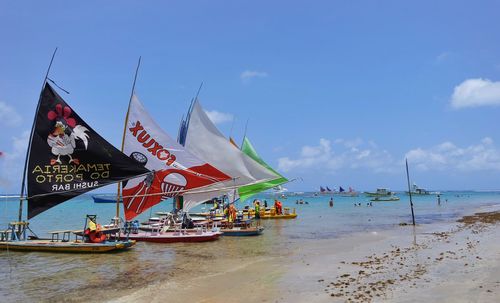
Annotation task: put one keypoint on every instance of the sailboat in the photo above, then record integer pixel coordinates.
(66, 158)
(247, 191)
(202, 138)
(350, 193)
(174, 172)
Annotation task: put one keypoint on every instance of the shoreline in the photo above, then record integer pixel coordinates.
(411, 267)
(403, 264)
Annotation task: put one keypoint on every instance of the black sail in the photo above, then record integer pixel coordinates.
(68, 158)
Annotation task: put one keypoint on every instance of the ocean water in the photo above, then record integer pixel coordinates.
(33, 277)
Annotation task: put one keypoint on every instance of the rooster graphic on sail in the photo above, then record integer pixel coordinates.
(61, 143)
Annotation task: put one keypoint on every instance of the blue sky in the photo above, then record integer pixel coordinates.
(336, 92)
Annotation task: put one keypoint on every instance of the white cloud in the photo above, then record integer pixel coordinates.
(250, 74)
(218, 117)
(8, 115)
(342, 154)
(12, 163)
(445, 156)
(358, 154)
(476, 92)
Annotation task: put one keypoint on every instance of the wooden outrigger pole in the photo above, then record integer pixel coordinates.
(124, 132)
(23, 182)
(409, 192)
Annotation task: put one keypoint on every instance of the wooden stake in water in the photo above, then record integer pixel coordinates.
(409, 192)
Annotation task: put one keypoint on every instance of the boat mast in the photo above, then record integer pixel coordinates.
(244, 134)
(409, 192)
(23, 183)
(124, 132)
(241, 146)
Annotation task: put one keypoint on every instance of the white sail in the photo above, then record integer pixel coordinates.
(206, 142)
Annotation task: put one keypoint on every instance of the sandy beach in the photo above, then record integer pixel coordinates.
(456, 262)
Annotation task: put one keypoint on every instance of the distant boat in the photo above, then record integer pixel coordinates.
(105, 199)
(279, 189)
(381, 192)
(415, 190)
(341, 190)
(322, 189)
(328, 189)
(385, 199)
(350, 193)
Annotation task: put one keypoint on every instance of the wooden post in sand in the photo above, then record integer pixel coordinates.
(409, 192)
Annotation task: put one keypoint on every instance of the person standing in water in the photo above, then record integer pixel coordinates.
(439, 200)
(331, 202)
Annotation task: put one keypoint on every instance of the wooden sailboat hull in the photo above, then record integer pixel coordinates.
(174, 237)
(270, 216)
(242, 232)
(98, 199)
(385, 199)
(65, 247)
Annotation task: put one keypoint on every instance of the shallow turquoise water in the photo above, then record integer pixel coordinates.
(49, 277)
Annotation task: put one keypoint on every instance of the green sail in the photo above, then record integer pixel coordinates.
(246, 192)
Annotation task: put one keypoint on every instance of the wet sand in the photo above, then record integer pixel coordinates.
(434, 263)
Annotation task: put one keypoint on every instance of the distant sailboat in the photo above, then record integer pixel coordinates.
(351, 193)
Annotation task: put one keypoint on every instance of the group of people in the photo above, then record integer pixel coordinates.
(367, 204)
(257, 207)
(228, 209)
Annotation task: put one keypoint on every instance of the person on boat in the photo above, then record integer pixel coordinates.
(93, 232)
(331, 202)
(216, 205)
(265, 204)
(232, 213)
(257, 209)
(277, 207)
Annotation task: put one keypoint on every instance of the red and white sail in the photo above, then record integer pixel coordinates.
(174, 169)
